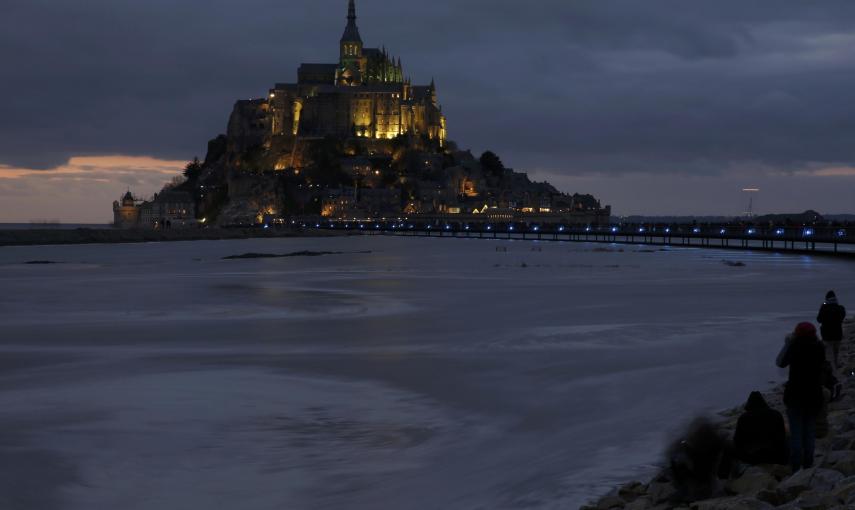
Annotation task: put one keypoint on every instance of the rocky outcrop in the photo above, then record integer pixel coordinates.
(830, 485)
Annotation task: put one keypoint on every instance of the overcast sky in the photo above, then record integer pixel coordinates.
(656, 106)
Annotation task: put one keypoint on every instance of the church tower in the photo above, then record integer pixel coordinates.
(351, 46)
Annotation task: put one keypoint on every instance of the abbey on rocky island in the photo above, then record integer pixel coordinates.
(365, 94)
(354, 139)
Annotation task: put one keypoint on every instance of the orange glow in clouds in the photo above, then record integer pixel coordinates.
(81, 190)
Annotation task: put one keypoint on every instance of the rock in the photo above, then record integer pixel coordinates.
(841, 460)
(814, 500)
(732, 503)
(840, 443)
(752, 481)
(769, 496)
(845, 424)
(661, 491)
(631, 491)
(610, 502)
(817, 478)
(779, 471)
(844, 489)
(644, 503)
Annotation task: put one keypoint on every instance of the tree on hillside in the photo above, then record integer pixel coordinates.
(193, 170)
(491, 164)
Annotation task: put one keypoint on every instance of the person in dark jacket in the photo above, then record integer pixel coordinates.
(760, 436)
(803, 396)
(831, 316)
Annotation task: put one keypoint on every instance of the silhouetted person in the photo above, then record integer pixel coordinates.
(760, 436)
(805, 355)
(831, 316)
(698, 459)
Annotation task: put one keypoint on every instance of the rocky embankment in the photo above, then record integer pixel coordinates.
(829, 485)
(108, 235)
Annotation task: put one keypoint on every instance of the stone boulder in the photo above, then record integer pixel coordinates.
(610, 502)
(752, 481)
(770, 496)
(732, 503)
(818, 479)
(844, 489)
(661, 491)
(632, 491)
(643, 503)
(841, 460)
(813, 500)
(845, 424)
(779, 471)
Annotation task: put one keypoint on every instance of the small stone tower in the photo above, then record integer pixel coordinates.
(126, 213)
(351, 48)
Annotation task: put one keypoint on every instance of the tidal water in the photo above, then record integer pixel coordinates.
(400, 373)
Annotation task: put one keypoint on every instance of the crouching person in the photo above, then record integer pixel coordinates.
(760, 436)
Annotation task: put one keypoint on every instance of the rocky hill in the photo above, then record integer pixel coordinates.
(243, 180)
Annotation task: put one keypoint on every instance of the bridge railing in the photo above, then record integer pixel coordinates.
(810, 234)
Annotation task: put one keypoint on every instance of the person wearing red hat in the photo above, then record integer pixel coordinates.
(804, 354)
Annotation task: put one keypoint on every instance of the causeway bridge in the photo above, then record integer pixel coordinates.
(813, 240)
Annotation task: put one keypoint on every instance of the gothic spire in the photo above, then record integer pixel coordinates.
(351, 32)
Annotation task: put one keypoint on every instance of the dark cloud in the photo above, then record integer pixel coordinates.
(577, 87)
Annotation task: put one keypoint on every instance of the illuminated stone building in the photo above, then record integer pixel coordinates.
(356, 139)
(126, 213)
(169, 208)
(364, 95)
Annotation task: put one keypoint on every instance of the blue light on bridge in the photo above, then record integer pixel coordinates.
(808, 232)
(696, 230)
(751, 231)
(587, 229)
(466, 227)
(722, 231)
(535, 228)
(667, 230)
(641, 230)
(561, 228)
(779, 232)
(841, 233)
(448, 227)
(614, 230)
(489, 227)
(511, 227)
